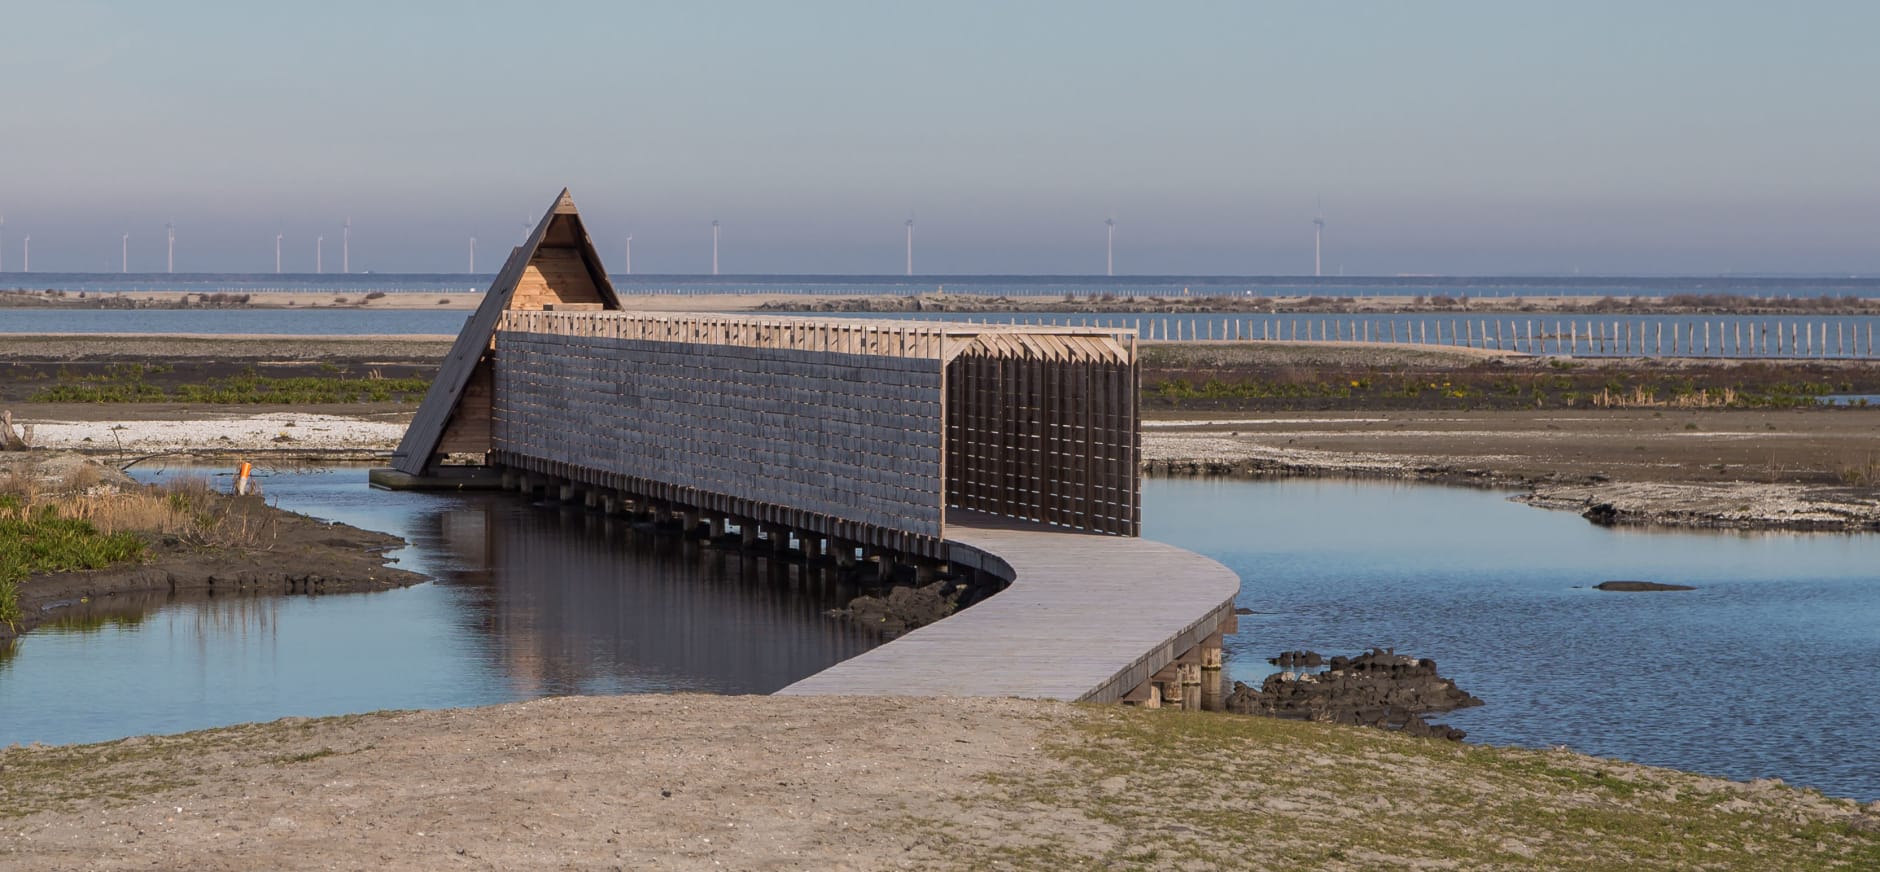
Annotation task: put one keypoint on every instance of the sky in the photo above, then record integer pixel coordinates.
(1444, 137)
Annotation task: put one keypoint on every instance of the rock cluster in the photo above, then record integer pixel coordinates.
(1379, 688)
(1298, 658)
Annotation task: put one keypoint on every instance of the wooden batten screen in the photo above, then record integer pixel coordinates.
(1052, 441)
(821, 440)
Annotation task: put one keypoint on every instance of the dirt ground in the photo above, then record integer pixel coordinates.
(1805, 446)
(701, 782)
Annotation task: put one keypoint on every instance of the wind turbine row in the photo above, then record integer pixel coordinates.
(319, 250)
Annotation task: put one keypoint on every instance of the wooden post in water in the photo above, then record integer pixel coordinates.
(1211, 673)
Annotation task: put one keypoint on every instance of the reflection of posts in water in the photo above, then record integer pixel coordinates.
(577, 601)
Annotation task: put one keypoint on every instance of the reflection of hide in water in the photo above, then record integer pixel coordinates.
(577, 603)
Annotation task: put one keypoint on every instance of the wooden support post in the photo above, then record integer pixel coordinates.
(1191, 685)
(1169, 680)
(566, 491)
(1211, 690)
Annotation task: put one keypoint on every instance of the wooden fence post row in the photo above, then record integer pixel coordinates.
(1790, 338)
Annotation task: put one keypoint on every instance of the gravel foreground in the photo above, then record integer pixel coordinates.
(704, 782)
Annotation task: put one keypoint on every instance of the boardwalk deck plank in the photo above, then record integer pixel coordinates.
(1086, 617)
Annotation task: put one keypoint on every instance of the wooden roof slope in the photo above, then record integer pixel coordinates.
(556, 266)
(939, 340)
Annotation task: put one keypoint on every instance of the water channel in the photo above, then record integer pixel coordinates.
(1769, 668)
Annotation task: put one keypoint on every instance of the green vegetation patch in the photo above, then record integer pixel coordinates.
(1161, 789)
(40, 541)
(128, 384)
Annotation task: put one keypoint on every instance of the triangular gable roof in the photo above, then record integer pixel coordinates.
(560, 231)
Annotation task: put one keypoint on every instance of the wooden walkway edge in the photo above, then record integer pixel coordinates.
(1087, 617)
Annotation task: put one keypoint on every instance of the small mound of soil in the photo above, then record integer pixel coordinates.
(1639, 586)
(904, 608)
(1379, 688)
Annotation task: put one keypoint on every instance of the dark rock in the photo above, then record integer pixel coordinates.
(1635, 586)
(1297, 658)
(1603, 514)
(1378, 688)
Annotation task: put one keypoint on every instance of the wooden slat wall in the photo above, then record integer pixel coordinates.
(829, 436)
(1027, 431)
(1051, 441)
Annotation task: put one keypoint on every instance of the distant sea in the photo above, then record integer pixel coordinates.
(990, 285)
(1588, 335)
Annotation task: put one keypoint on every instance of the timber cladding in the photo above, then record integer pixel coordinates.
(856, 437)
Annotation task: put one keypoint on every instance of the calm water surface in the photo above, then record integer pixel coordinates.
(1770, 668)
(529, 601)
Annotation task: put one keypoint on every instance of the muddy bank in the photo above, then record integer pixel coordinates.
(1724, 505)
(1733, 506)
(296, 555)
(216, 543)
(1728, 469)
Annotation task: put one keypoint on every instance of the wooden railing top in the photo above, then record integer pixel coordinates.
(936, 340)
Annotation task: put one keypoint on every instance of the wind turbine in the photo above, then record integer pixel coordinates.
(473, 254)
(169, 229)
(910, 246)
(1318, 238)
(629, 254)
(319, 253)
(1109, 249)
(126, 263)
(527, 226)
(26, 254)
(345, 247)
(714, 246)
(3, 232)
(277, 252)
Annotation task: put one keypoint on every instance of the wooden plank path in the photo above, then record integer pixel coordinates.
(1086, 617)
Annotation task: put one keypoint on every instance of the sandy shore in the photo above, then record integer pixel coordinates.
(692, 782)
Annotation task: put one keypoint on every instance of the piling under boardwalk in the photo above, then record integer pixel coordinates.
(1087, 617)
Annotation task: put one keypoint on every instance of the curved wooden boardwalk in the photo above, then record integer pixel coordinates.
(1087, 617)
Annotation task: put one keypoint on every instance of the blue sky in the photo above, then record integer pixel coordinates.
(1449, 137)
